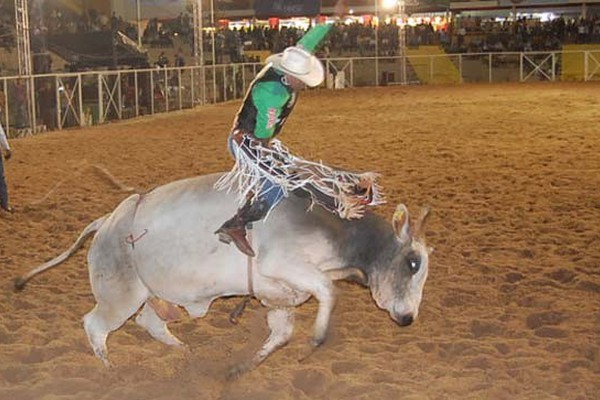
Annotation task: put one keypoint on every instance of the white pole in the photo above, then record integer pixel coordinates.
(212, 19)
(139, 23)
(198, 28)
(376, 43)
(402, 37)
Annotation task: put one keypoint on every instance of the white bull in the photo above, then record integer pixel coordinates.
(161, 245)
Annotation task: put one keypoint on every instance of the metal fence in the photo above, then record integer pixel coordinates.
(34, 104)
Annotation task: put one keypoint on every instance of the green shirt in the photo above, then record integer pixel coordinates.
(270, 101)
(269, 98)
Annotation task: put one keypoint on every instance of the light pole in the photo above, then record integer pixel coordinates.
(139, 22)
(214, 67)
(376, 43)
(402, 36)
(401, 23)
(198, 29)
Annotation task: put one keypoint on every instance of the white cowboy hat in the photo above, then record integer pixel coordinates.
(300, 64)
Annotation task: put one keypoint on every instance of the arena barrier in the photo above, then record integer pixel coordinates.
(39, 103)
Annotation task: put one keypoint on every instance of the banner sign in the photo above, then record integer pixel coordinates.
(161, 9)
(287, 8)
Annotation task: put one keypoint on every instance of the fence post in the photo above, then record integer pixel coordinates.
(586, 59)
(120, 94)
(80, 99)
(460, 69)
(521, 55)
(100, 101)
(166, 80)
(404, 72)
(203, 84)
(224, 82)
(151, 92)
(192, 88)
(179, 88)
(243, 79)
(214, 74)
(490, 68)
(136, 87)
(32, 108)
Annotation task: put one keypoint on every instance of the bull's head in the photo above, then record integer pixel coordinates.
(398, 286)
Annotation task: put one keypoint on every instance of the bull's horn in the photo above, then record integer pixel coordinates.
(420, 223)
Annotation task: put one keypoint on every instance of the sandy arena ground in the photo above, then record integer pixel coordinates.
(511, 309)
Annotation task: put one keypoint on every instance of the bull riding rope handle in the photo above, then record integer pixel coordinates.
(239, 309)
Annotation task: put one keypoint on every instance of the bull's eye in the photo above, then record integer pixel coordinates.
(414, 263)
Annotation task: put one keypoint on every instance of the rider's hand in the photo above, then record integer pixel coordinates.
(264, 142)
(7, 154)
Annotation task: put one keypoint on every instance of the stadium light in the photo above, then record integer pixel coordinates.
(389, 4)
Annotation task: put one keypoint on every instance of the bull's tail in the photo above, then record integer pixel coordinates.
(87, 232)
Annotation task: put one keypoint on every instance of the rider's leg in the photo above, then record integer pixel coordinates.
(235, 228)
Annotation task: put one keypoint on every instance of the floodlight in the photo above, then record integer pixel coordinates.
(389, 4)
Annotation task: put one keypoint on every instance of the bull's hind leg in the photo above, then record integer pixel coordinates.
(281, 323)
(117, 300)
(156, 327)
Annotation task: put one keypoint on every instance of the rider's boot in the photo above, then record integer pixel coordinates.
(235, 228)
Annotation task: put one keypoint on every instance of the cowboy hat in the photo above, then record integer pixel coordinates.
(300, 64)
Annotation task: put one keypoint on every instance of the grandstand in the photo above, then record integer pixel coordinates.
(460, 27)
(433, 42)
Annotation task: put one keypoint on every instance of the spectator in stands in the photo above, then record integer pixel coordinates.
(179, 59)
(5, 148)
(162, 61)
(20, 101)
(46, 97)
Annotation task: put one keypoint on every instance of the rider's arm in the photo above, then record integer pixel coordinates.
(313, 38)
(269, 99)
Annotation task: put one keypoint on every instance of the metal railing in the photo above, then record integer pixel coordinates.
(38, 103)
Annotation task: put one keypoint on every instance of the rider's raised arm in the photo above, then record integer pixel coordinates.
(269, 99)
(314, 37)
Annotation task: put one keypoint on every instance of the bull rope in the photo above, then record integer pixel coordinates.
(239, 309)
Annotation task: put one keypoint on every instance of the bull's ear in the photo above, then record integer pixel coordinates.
(401, 223)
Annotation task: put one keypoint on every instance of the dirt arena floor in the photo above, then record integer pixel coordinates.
(511, 309)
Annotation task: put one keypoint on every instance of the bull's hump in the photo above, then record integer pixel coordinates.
(358, 242)
(200, 184)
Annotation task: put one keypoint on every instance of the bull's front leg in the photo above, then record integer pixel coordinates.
(305, 278)
(281, 323)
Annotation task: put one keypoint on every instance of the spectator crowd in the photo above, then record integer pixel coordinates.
(461, 35)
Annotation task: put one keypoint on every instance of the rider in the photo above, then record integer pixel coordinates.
(267, 105)
(265, 171)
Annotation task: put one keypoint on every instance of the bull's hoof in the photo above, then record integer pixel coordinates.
(238, 370)
(19, 284)
(317, 341)
(307, 353)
